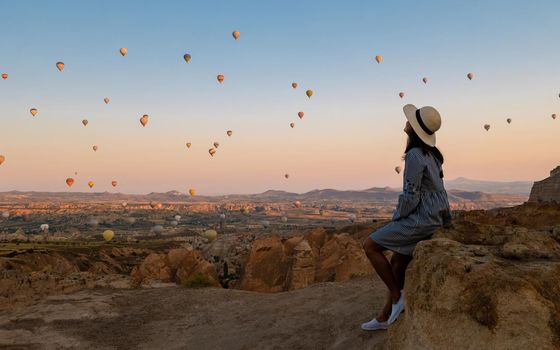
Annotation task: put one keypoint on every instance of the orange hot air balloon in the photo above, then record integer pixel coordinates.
(309, 93)
(114, 183)
(69, 181)
(4, 76)
(189, 145)
(235, 35)
(300, 115)
(85, 122)
(470, 76)
(220, 78)
(294, 85)
(144, 120)
(159, 206)
(33, 111)
(95, 148)
(378, 58)
(187, 57)
(123, 51)
(60, 66)
(2, 159)
(229, 133)
(90, 184)
(106, 100)
(292, 125)
(401, 94)
(297, 204)
(425, 80)
(212, 151)
(192, 192)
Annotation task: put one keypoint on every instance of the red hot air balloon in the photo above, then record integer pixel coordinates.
(69, 181)
(300, 115)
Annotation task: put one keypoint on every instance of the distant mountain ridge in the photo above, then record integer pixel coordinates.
(512, 187)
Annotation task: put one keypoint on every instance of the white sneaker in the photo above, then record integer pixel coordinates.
(396, 309)
(374, 325)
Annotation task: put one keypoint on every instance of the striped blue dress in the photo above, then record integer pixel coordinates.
(422, 207)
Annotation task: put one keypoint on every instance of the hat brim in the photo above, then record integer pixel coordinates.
(410, 113)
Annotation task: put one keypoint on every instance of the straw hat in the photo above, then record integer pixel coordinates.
(424, 121)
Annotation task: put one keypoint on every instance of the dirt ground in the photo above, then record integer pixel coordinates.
(322, 316)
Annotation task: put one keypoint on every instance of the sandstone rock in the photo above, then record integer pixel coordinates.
(547, 190)
(153, 268)
(342, 257)
(302, 272)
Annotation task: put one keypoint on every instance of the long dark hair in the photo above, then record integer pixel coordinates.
(415, 141)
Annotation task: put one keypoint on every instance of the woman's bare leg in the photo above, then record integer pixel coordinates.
(399, 263)
(383, 268)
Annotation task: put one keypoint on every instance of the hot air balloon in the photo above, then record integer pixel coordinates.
(2, 159)
(44, 228)
(114, 183)
(123, 51)
(235, 34)
(130, 220)
(297, 204)
(187, 57)
(5, 214)
(470, 76)
(192, 192)
(294, 85)
(4, 76)
(173, 223)
(60, 66)
(69, 181)
(90, 184)
(487, 127)
(212, 151)
(93, 222)
(106, 100)
(300, 115)
(284, 219)
(508, 120)
(177, 217)
(287, 176)
(220, 78)
(398, 169)
(144, 120)
(401, 94)
(211, 235)
(108, 235)
(75, 173)
(378, 58)
(33, 111)
(189, 145)
(229, 133)
(124, 204)
(159, 206)
(153, 204)
(309, 93)
(352, 217)
(292, 125)
(553, 116)
(222, 216)
(85, 122)
(157, 229)
(216, 144)
(265, 223)
(425, 80)
(95, 148)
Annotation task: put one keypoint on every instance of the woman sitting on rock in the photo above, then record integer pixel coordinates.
(422, 208)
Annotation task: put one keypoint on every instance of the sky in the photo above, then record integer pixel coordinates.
(351, 136)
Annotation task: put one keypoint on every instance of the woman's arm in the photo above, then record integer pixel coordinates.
(413, 172)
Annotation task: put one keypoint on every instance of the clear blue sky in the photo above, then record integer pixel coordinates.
(351, 136)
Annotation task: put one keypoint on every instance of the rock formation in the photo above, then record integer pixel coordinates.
(483, 286)
(547, 190)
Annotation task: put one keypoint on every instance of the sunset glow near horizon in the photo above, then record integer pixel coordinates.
(351, 136)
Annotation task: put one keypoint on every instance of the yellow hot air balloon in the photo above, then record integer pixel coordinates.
(300, 115)
(69, 181)
(4, 76)
(220, 78)
(211, 235)
(192, 192)
(114, 183)
(235, 34)
(2, 159)
(294, 85)
(144, 120)
(470, 76)
(212, 151)
(187, 57)
(33, 111)
(95, 148)
(189, 144)
(106, 100)
(90, 184)
(85, 122)
(229, 133)
(123, 51)
(398, 169)
(216, 144)
(378, 58)
(60, 66)
(309, 93)
(108, 235)
(401, 94)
